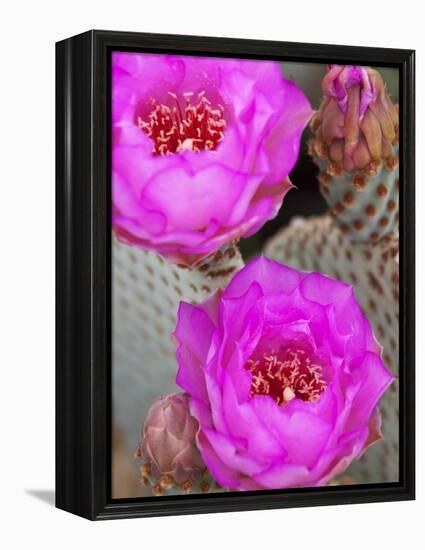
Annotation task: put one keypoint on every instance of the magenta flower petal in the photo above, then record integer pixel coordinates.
(302, 434)
(230, 453)
(225, 475)
(283, 475)
(284, 382)
(288, 131)
(203, 144)
(212, 191)
(374, 425)
(193, 353)
(337, 458)
(375, 380)
(271, 276)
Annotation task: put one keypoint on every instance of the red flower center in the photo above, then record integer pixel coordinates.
(285, 375)
(197, 127)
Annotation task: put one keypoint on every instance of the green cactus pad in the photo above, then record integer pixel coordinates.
(364, 204)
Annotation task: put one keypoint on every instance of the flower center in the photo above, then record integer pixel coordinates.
(285, 375)
(197, 127)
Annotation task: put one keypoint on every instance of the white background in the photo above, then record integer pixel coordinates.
(28, 33)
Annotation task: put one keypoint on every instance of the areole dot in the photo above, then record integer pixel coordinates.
(348, 199)
(370, 210)
(381, 190)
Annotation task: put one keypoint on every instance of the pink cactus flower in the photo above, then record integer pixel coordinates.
(202, 149)
(284, 376)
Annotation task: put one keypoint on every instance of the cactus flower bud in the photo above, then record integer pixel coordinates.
(168, 450)
(357, 123)
(355, 146)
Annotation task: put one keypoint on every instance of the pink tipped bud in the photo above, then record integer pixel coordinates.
(357, 123)
(168, 448)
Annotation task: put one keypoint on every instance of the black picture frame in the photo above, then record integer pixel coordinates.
(83, 275)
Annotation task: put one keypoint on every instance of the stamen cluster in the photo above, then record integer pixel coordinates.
(285, 375)
(195, 128)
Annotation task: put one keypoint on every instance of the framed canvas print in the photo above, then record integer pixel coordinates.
(235, 282)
